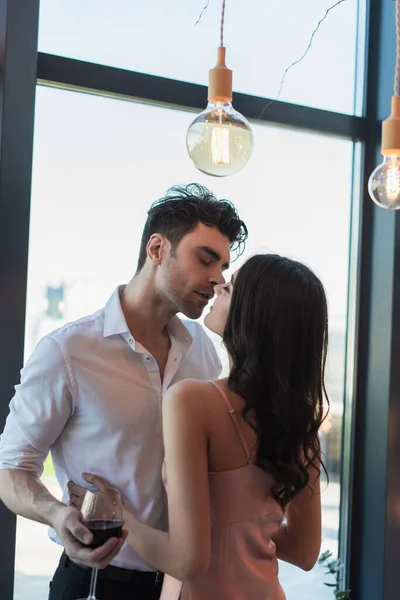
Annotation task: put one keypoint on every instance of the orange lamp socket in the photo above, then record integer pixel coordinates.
(391, 130)
(220, 81)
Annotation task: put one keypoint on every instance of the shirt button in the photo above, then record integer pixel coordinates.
(130, 340)
(147, 357)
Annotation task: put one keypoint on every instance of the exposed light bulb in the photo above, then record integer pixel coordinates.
(220, 140)
(384, 183)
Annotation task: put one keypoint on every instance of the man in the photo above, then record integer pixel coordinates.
(91, 392)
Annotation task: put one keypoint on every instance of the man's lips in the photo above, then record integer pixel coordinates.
(205, 296)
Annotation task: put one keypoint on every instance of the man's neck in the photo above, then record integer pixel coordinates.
(145, 314)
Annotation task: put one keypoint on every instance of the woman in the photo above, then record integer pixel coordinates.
(243, 452)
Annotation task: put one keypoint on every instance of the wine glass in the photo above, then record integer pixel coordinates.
(102, 515)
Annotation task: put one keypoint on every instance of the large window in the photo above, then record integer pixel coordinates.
(98, 164)
(263, 38)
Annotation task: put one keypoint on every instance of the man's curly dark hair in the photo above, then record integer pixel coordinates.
(182, 208)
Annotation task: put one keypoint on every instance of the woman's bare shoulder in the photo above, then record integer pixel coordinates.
(189, 392)
(187, 387)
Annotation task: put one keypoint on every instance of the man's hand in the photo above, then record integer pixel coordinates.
(67, 521)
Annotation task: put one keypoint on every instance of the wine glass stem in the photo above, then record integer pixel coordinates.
(93, 584)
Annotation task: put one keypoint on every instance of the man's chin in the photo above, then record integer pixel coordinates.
(192, 312)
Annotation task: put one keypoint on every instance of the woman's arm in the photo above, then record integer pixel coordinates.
(298, 541)
(184, 550)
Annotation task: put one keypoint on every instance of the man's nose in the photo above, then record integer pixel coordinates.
(217, 279)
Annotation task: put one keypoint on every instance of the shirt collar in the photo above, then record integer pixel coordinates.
(115, 323)
(114, 319)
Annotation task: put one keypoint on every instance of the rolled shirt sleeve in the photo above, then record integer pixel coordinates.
(43, 402)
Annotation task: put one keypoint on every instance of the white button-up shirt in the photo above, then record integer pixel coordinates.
(92, 396)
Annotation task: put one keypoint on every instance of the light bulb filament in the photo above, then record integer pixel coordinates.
(220, 145)
(393, 180)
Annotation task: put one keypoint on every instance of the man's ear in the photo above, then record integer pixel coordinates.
(157, 248)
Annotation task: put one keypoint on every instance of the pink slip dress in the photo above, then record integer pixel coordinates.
(244, 517)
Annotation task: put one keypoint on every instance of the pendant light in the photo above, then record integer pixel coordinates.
(219, 140)
(384, 183)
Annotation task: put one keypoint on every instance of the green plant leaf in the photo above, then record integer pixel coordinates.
(345, 595)
(335, 567)
(324, 556)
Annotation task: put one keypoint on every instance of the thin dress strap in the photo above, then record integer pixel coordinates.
(235, 422)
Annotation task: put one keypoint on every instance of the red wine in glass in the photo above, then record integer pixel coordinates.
(102, 515)
(103, 530)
